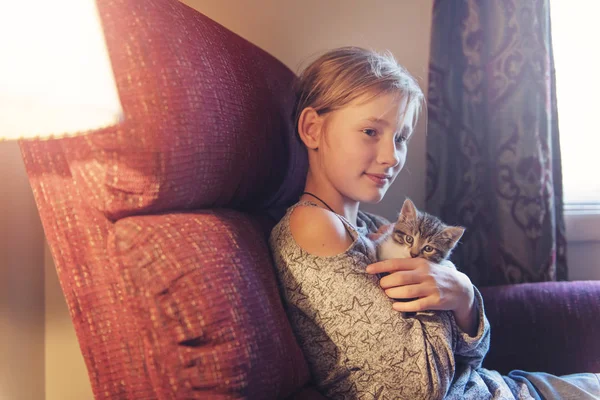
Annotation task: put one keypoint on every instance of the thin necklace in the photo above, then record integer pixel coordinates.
(326, 205)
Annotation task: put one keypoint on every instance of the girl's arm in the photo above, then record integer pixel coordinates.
(472, 348)
(467, 317)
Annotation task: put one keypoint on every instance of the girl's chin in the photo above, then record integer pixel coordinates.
(375, 196)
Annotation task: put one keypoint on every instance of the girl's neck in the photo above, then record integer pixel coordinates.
(339, 205)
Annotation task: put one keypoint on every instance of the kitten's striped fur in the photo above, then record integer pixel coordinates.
(418, 234)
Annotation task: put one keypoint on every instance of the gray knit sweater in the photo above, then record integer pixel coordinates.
(358, 347)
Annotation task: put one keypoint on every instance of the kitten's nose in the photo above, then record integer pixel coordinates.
(414, 255)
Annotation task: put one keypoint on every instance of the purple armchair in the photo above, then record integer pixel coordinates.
(546, 326)
(158, 227)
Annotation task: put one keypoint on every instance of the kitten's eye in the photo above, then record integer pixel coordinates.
(428, 249)
(409, 239)
(370, 130)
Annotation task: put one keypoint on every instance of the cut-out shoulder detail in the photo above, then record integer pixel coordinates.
(281, 236)
(319, 232)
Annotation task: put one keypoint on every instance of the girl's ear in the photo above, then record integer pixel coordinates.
(309, 127)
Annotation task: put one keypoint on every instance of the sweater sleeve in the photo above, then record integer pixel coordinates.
(373, 221)
(471, 350)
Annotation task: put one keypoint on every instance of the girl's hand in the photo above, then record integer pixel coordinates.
(436, 287)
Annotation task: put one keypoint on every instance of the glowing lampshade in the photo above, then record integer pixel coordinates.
(55, 74)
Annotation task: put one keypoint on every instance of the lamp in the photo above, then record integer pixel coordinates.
(55, 76)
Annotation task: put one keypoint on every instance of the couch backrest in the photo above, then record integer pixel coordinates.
(207, 126)
(207, 118)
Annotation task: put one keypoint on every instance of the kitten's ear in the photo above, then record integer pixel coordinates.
(454, 233)
(409, 211)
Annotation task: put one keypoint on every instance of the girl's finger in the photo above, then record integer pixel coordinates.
(394, 264)
(408, 291)
(400, 278)
(422, 304)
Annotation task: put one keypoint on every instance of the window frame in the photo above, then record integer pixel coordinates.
(582, 222)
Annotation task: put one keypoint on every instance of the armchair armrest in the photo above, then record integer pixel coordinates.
(552, 327)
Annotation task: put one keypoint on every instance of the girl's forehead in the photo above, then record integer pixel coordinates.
(388, 106)
(384, 101)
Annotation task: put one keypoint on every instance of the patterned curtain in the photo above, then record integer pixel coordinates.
(493, 156)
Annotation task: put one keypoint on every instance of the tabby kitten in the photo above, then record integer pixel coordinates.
(417, 234)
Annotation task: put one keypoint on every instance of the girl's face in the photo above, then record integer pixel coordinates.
(364, 140)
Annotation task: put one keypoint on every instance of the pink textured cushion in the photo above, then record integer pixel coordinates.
(76, 233)
(204, 298)
(208, 118)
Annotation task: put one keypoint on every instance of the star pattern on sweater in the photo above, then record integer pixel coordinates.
(296, 293)
(366, 373)
(312, 265)
(297, 257)
(344, 342)
(408, 364)
(345, 272)
(369, 395)
(322, 319)
(440, 337)
(392, 321)
(371, 339)
(324, 285)
(358, 311)
(359, 264)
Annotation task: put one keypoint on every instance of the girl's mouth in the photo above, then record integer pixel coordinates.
(379, 181)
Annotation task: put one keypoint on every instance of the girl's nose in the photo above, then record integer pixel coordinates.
(387, 153)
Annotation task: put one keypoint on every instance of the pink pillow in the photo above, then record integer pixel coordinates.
(203, 296)
(208, 118)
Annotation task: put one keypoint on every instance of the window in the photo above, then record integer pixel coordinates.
(575, 33)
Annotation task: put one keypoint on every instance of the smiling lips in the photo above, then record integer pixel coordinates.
(379, 179)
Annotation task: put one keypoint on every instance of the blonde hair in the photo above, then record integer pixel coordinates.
(341, 75)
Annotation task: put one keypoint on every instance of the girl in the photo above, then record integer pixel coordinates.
(356, 111)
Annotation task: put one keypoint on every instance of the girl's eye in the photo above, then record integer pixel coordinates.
(427, 249)
(409, 239)
(401, 139)
(370, 130)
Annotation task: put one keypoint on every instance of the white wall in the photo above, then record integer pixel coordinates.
(65, 371)
(21, 283)
(39, 354)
